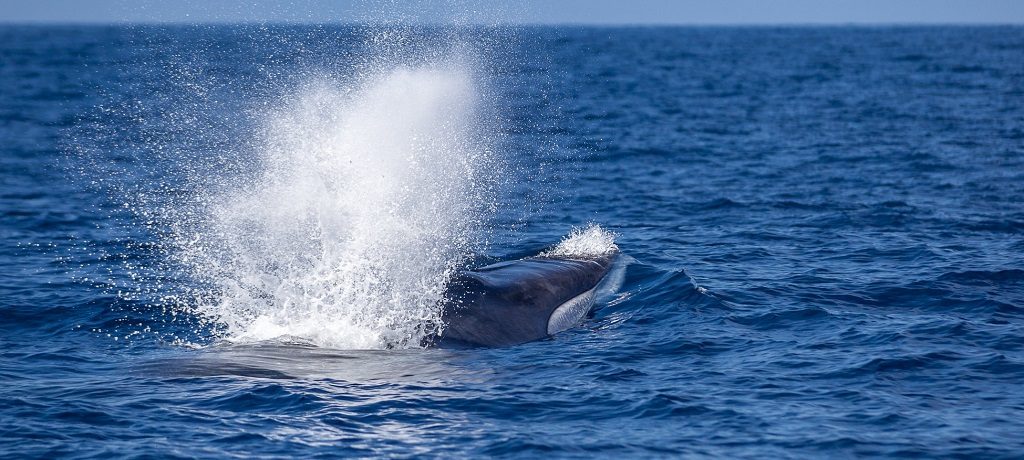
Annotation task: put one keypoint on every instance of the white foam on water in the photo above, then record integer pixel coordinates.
(369, 196)
(589, 241)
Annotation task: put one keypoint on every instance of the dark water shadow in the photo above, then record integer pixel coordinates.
(287, 360)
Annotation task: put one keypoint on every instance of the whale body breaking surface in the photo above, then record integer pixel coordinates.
(513, 302)
(518, 301)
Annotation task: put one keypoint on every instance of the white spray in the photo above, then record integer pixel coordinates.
(369, 196)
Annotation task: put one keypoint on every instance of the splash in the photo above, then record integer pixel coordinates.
(325, 200)
(368, 197)
(590, 241)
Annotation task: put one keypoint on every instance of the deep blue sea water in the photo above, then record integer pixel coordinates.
(826, 228)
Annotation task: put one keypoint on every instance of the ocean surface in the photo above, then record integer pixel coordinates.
(229, 241)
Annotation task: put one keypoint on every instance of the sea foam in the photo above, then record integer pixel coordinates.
(589, 241)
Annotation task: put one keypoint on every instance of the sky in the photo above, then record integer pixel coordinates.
(702, 12)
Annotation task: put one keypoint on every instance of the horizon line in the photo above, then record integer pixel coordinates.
(32, 22)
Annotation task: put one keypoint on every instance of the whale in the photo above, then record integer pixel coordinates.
(514, 302)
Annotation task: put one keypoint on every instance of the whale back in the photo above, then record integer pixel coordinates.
(512, 302)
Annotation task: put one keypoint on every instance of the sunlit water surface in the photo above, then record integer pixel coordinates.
(229, 241)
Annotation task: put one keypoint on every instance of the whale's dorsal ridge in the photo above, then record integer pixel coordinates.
(518, 301)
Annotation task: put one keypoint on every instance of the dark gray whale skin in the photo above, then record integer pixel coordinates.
(509, 303)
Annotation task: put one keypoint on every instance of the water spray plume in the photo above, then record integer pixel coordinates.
(368, 198)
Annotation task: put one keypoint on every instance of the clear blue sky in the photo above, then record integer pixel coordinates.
(526, 11)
